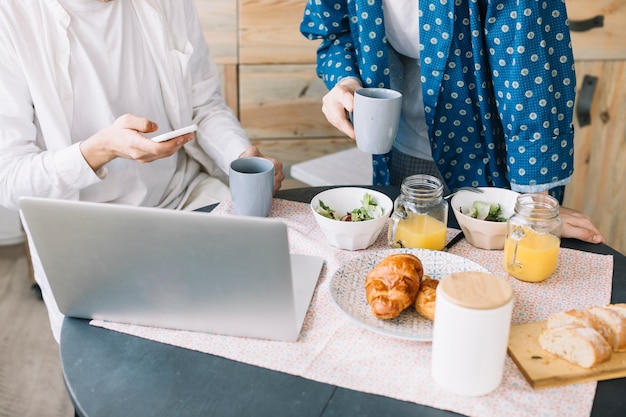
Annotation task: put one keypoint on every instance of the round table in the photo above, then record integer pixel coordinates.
(113, 374)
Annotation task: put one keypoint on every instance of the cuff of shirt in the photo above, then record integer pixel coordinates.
(343, 80)
(537, 188)
(73, 169)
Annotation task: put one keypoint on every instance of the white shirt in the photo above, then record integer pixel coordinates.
(402, 32)
(402, 26)
(106, 41)
(40, 118)
(45, 110)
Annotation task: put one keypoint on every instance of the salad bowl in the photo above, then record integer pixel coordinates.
(351, 218)
(483, 217)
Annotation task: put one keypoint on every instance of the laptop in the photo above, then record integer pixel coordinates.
(197, 271)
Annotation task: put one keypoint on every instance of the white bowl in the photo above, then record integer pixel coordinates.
(350, 235)
(484, 234)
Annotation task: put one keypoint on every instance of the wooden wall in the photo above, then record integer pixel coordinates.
(268, 67)
(598, 187)
(269, 33)
(603, 43)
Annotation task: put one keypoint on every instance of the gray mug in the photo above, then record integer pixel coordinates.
(376, 118)
(252, 185)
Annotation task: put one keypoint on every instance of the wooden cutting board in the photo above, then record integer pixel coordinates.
(542, 369)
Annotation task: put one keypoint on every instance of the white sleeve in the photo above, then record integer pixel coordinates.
(219, 132)
(27, 166)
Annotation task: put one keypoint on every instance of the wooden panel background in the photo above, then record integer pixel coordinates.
(282, 101)
(230, 86)
(599, 43)
(598, 187)
(219, 23)
(269, 33)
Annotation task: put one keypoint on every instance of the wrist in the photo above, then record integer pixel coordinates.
(95, 155)
(350, 82)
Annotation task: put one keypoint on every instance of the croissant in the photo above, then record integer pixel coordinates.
(392, 285)
(426, 297)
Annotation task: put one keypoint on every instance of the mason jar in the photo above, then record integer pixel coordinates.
(531, 247)
(420, 215)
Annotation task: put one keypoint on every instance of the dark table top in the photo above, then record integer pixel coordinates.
(113, 374)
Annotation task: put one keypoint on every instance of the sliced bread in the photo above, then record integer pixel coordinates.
(582, 346)
(616, 322)
(620, 308)
(582, 318)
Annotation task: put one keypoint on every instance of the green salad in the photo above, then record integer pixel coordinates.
(484, 211)
(368, 210)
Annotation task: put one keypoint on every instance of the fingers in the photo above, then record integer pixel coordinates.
(140, 124)
(336, 105)
(279, 175)
(126, 140)
(168, 148)
(177, 142)
(187, 137)
(578, 225)
(149, 151)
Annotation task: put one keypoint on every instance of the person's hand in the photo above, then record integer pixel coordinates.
(338, 102)
(578, 225)
(124, 139)
(279, 176)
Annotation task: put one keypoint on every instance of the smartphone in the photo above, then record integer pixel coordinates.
(175, 133)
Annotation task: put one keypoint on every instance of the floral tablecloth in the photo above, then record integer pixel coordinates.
(335, 350)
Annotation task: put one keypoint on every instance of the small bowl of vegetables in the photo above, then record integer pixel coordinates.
(483, 216)
(351, 218)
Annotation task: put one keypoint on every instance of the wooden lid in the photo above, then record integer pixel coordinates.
(475, 290)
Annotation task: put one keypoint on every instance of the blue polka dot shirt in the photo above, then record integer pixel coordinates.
(498, 83)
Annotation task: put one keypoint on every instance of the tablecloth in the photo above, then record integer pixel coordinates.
(334, 349)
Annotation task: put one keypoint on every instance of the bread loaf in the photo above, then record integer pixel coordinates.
(618, 308)
(586, 337)
(582, 346)
(581, 318)
(616, 324)
(392, 285)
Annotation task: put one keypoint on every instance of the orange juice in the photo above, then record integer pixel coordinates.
(536, 257)
(421, 231)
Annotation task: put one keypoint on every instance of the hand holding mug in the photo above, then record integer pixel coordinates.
(252, 185)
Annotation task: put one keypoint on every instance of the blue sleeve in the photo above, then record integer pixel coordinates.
(330, 22)
(532, 67)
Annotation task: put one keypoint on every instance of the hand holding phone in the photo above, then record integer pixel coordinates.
(175, 133)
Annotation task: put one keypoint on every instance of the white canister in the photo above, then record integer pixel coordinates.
(471, 332)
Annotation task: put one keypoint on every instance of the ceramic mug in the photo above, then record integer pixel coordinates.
(252, 185)
(376, 117)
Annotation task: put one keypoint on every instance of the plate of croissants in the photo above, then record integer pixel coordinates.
(393, 291)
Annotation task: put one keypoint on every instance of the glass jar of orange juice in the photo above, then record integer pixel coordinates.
(420, 215)
(531, 247)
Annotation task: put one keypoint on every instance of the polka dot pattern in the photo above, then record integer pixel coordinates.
(498, 83)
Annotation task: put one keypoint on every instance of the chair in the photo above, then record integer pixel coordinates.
(12, 233)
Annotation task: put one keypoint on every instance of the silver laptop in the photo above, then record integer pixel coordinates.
(194, 271)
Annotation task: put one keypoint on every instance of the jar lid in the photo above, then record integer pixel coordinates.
(475, 290)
